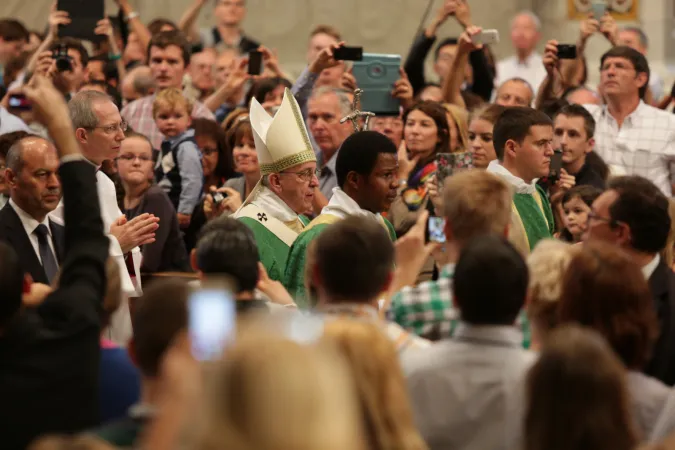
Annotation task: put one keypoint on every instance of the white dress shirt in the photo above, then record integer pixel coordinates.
(531, 70)
(649, 268)
(644, 145)
(30, 224)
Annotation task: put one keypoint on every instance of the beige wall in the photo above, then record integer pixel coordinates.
(378, 25)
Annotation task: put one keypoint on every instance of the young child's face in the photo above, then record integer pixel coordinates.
(576, 216)
(172, 121)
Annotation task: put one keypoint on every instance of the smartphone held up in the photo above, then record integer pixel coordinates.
(212, 322)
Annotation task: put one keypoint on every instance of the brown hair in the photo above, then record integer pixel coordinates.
(605, 290)
(438, 113)
(171, 98)
(489, 113)
(577, 396)
(113, 293)
(476, 202)
(374, 364)
(461, 118)
(326, 29)
(159, 315)
(667, 254)
(165, 39)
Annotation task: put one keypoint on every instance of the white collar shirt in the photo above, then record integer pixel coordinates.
(531, 70)
(30, 225)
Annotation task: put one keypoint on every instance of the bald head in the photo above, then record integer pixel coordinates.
(32, 165)
(138, 83)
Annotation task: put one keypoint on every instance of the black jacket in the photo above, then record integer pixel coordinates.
(49, 357)
(14, 234)
(662, 365)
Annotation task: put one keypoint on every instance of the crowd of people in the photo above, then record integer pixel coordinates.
(150, 167)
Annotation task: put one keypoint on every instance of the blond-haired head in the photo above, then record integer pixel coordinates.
(379, 382)
(272, 393)
(475, 203)
(171, 99)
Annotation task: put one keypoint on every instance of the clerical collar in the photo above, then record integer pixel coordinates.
(342, 205)
(518, 183)
(271, 203)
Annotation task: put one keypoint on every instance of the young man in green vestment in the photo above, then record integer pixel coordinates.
(273, 210)
(366, 169)
(523, 139)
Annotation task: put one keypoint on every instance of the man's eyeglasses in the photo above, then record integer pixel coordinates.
(131, 158)
(112, 129)
(594, 217)
(306, 175)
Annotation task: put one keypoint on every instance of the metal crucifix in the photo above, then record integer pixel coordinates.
(357, 114)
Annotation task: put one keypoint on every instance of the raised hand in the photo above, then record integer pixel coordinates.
(57, 18)
(325, 59)
(462, 13)
(348, 81)
(271, 60)
(589, 27)
(403, 90)
(135, 232)
(551, 60)
(609, 28)
(49, 105)
(465, 42)
(405, 164)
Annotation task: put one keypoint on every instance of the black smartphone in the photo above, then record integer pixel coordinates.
(435, 230)
(567, 51)
(255, 59)
(19, 102)
(555, 167)
(348, 54)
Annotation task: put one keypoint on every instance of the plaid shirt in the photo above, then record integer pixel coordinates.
(427, 309)
(644, 145)
(138, 115)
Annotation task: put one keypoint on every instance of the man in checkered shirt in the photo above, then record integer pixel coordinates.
(475, 203)
(168, 56)
(631, 136)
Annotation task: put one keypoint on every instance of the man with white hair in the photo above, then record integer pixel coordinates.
(526, 63)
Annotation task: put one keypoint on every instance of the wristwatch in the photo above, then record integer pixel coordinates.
(132, 15)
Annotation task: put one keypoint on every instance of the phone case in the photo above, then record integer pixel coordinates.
(376, 75)
(84, 15)
(447, 164)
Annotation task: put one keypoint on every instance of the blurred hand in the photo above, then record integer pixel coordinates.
(45, 65)
(551, 60)
(564, 183)
(49, 105)
(236, 80)
(589, 27)
(104, 28)
(403, 90)
(609, 28)
(446, 10)
(434, 194)
(325, 60)
(183, 220)
(348, 81)
(465, 44)
(135, 232)
(274, 290)
(38, 293)
(57, 18)
(271, 60)
(462, 12)
(405, 164)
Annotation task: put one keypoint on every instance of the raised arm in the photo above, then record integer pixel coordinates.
(188, 20)
(134, 22)
(232, 90)
(549, 89)
(453, 82)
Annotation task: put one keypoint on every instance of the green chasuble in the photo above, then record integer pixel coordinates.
(294, 276)
(272, 250)
(535, 216)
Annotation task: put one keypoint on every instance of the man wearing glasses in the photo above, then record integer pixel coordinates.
(274, 208)
(99, 129)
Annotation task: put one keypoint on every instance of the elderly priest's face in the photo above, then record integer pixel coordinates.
(296, 186)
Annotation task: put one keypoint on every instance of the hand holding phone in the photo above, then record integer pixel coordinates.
(435, 231)
(555, 167)
(599, 9)
(19, 102)
(486, 37)
(345, 53)
(567, 51)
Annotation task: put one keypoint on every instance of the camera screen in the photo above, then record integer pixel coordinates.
(211, 323)
(435, 231)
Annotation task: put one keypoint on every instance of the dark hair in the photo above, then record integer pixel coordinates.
(11, 283)
(643, 207)
(576, 396)
(579, 111)
(359, 152)
(156, 25)
(165, 39)
(636, 58)
(439, 114)
(227, 246)
(444, 43)
(158, 317)
(597, 164)
(354, 259)
(605, 290)
(264, 86)
(9, 139)
(208, 128)
(12, 30)
(552, 107)
(587, 194)
(515, 124)
(490, 257)
(72, 44)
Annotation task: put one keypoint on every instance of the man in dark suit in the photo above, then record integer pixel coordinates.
(49, 355)
(35, 190)
(633, 213)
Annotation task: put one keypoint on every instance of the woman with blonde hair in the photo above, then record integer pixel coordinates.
(270, 393)
(547, 264)
(458, 126)
(385, 406)
(577, 396)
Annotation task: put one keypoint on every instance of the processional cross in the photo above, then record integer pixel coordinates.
(357, 114)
